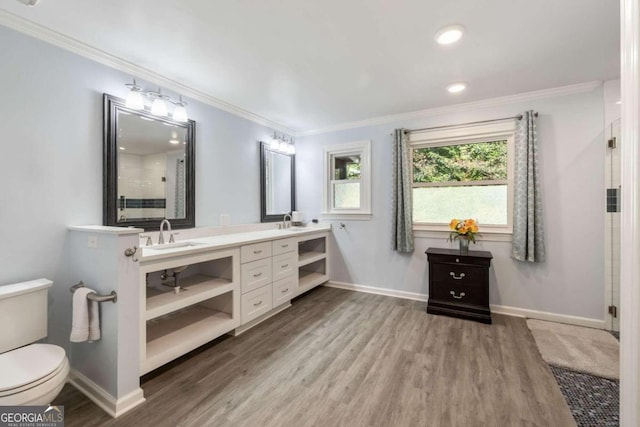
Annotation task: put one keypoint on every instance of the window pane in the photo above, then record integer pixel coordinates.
(465, 162)
(485, 203)
(346, 167)
(346, 195)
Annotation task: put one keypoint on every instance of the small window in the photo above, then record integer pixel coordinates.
(463, 175)
(347, 180)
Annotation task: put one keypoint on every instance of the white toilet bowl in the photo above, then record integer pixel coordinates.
(32, 375)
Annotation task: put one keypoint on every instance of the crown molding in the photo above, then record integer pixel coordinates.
(486, 103)
(75, 46)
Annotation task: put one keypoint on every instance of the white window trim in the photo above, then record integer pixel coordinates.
(467, 134)
(363, 149)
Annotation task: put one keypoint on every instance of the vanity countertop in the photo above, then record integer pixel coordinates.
(204, 244)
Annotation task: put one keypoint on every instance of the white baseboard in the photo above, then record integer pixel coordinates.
(378, 291)
(551, 317)
(498, 309)
(99, 396)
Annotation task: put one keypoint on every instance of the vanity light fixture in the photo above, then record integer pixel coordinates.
(180, 112)
(456, 87)
(449, 34)
(159, 106)
(136, 96)
(281, 144)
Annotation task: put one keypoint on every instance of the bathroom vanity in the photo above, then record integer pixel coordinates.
(198, 289)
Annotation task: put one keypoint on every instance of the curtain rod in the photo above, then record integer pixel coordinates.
(518, 117)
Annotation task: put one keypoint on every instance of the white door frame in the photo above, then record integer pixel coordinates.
(630, 217)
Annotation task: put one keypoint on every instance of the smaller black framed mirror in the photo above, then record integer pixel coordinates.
(277, 183)
(148, 168)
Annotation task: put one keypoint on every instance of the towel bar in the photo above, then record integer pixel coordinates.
(113, 296)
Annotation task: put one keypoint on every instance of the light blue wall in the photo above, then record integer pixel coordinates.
(51, 168)
(572, 145)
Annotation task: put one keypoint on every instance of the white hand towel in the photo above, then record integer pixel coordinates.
(85, 322)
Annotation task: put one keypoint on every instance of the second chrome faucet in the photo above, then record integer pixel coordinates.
(161, 235)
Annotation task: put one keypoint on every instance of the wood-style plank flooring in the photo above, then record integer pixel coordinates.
(342, 358)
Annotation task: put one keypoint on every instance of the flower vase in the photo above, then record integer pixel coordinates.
(464, 245)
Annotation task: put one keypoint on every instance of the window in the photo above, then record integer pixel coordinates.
(463, 172)
(347, 181)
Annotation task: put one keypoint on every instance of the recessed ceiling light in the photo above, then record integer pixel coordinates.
(456, 87)
(618, 102)
(122, 148)
(174, 141)
(449, 34)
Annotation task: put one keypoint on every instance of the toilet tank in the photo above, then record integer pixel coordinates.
(23, 313)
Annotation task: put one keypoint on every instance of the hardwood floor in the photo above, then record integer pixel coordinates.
(342, 358)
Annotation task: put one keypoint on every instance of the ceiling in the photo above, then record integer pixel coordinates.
(314, 64)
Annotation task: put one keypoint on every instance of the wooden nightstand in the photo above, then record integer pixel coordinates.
(459, 284)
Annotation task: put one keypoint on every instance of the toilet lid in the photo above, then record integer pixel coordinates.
(28, 364)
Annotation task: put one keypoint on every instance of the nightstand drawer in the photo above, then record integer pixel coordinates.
(466, 275)
(458, 294)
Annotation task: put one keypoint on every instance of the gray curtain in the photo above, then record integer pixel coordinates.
(528, 233)
(180, 189)
(402, 210)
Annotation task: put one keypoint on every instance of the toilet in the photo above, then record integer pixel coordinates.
(30, 373)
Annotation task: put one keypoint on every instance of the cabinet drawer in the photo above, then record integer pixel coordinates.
(254, 252)
(458, 294)
(284, 245)
(454, 275)
(284, 290)
(285, 265)
(255, 274)
(256, 303)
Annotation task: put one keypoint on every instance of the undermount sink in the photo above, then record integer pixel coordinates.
(167, 246)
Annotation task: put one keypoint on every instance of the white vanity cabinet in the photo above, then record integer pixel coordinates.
(227, 284)
(206, 306)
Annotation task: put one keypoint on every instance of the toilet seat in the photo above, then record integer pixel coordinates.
(31, 373)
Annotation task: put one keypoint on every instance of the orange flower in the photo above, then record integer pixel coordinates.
(469, 223)
(463, 230)
(453, 224)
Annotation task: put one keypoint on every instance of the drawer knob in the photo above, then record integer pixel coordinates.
(258, 303)
(453, 294)
(257, 274)
(452, 274)
(257, 252)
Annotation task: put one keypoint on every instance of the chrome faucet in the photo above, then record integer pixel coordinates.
(161, 236)
(286, 224)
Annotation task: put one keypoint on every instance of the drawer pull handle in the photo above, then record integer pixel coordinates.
(284, 266)
(284, 291)
(285, 246)
(257, 274)
(258, 303)
(257, 252)
(452, 274)
(453, 294)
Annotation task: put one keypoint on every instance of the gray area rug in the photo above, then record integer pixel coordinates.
(581, 349)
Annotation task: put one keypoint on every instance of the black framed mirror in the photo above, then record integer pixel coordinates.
(277, 183)
(148, 168)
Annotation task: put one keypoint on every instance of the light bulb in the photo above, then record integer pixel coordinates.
(450, 34)
(134, 97)
(180, 113)
(456, 87)
(159, 107)
(291, 149)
